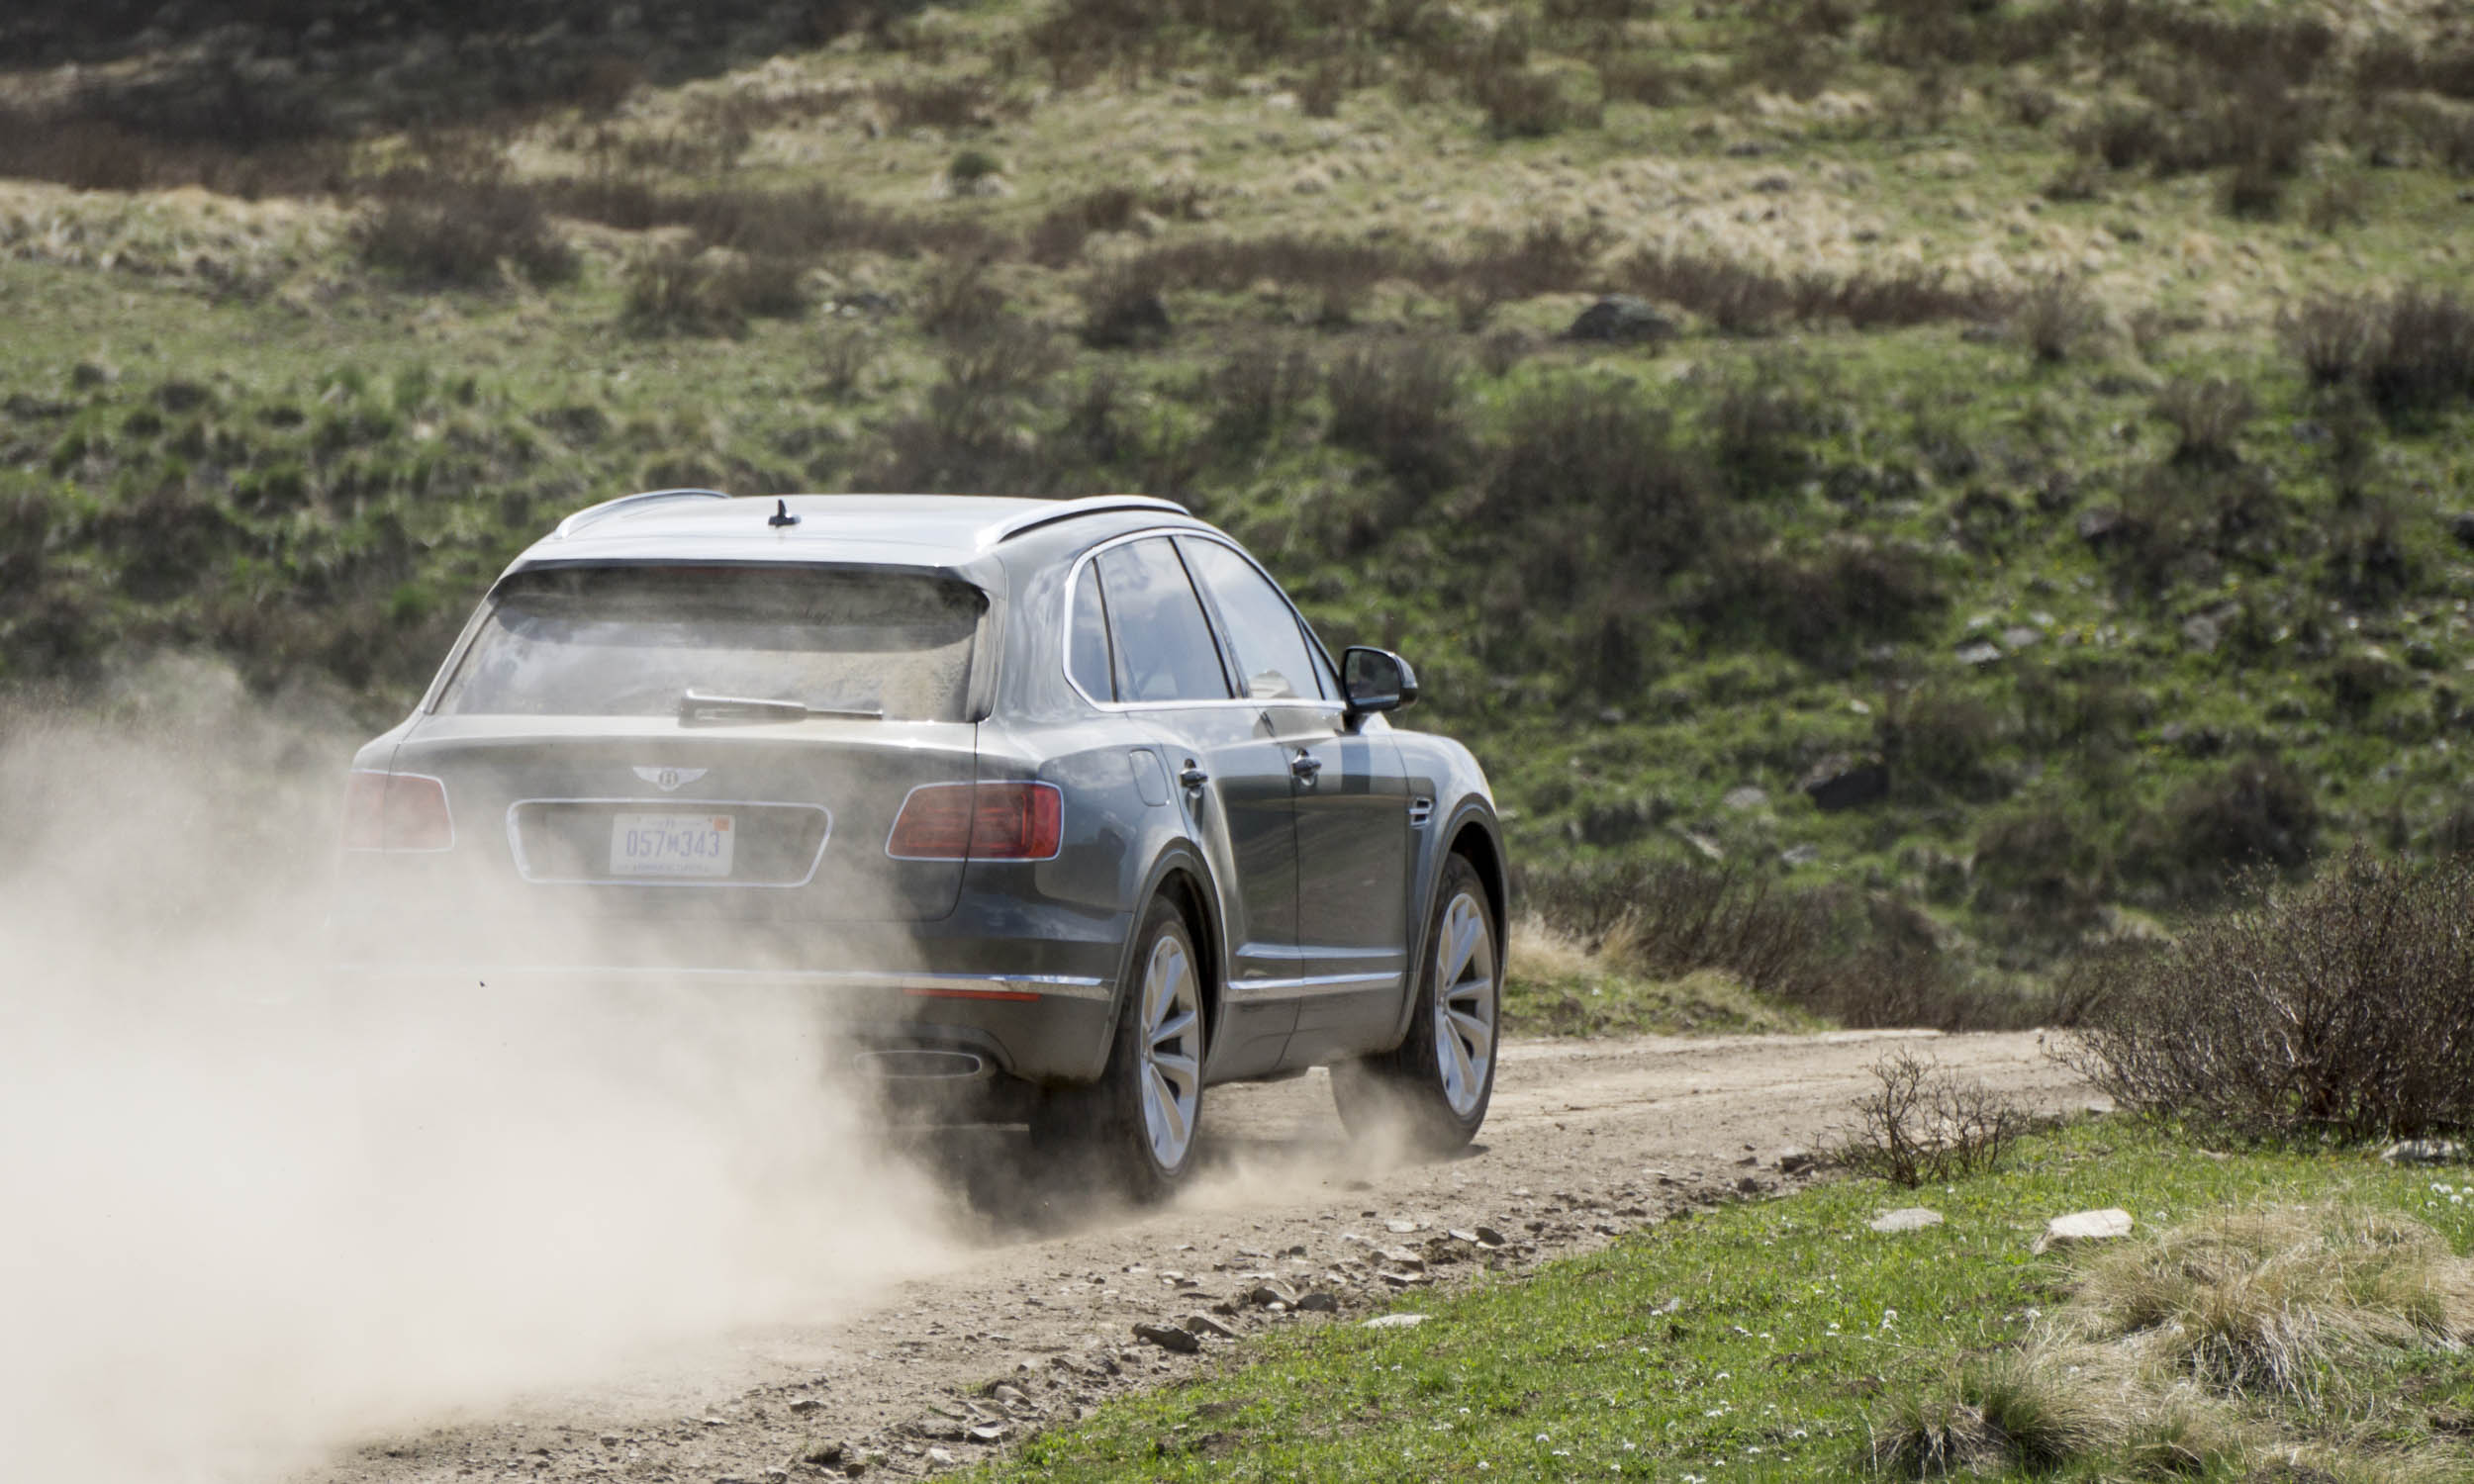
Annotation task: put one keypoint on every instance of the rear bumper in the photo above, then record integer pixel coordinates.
(1039, 1028)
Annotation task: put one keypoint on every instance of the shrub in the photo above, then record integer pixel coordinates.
(2054, 319)
(2425, 359)
(2410, 354)
(2252, 815)
(1738, 298)
(1530, 102)
(1255, 389)
(2343, 1007)
(937, 103)
(1762, 421)
(676, 287)
(969, 169)
(2339, 201)
(1589, 454)
(1401, 406)
(1920, 1124)
(439, 230)
(955, 298)
(1935, 739)
(2206, 417)
(2039, 875)
(1325, 85)
(2331, 335)
(1642, 78)
(1820, 607)
(1123, 307)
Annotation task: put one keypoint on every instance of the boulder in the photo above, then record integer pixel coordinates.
(2424, 1152)
(2084, 1226)
(1909, 1219)
(1838, 784)
(1169, 1338)
(1621, 320)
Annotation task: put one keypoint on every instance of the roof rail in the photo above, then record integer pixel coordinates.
(592, 515)
(1067, 510)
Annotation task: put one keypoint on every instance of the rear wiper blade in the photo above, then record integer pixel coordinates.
(699, 709)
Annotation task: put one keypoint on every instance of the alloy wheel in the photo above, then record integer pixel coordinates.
(1466, 1004)
(1172, 1051)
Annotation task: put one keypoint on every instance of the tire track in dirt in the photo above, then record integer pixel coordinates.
(1033, 1324)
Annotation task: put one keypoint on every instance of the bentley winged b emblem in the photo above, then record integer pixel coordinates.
(668, 780)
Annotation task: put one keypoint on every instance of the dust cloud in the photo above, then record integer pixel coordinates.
(244, 1219)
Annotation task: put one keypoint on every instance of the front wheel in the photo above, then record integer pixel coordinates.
(1435, 1086)
(1135, 1129)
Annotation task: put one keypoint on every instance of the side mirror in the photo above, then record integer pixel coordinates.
(1376, 680)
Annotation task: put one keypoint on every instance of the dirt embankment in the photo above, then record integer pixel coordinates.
(1033, 1321)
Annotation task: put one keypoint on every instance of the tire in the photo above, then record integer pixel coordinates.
(1136, 1130)
(1434, 1087)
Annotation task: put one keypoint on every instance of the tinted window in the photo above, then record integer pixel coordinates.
(1164, 646)
(1086, 641)
(629, 641)
(1271, 658)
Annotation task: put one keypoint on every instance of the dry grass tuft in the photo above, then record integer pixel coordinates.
(2258, 1343)
(2280, 1303)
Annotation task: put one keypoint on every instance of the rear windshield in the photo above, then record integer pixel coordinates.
(629, 641)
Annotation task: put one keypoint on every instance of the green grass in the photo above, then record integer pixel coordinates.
(1758, 1341)
(369, 452)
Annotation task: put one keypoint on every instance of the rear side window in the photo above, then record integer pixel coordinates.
(1086, 641)
(1164, 646)
(630, 641)
(1272, 659)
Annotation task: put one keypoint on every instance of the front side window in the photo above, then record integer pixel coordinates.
(632, 641)
(1272, 655)
(1163, 645)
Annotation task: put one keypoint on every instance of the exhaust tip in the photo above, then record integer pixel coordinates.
(912, 1065)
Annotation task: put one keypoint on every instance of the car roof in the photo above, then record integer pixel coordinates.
(915, 530)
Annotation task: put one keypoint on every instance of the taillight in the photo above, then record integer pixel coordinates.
(396, 811)
(983, 821)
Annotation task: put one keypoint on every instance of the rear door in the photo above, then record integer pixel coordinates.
(1351, 809)
(1167, 674)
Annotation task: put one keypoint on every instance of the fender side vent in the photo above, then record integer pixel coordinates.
(1420, 811)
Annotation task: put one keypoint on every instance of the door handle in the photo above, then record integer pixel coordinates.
(1305, 765)
(1193, 777)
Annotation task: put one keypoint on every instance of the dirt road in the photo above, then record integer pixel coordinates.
(1587, 1140)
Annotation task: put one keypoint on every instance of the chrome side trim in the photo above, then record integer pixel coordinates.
(1420, 811)
(1046, 985)
(1073, 580)
(1067, 510)
(524, 867)
(1318, 981)
(592, 515)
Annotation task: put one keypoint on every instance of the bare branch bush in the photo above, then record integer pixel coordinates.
(1923, 1126)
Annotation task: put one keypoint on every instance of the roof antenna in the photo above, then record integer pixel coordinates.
(781, 514)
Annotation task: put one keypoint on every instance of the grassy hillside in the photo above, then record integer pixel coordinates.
(2044, 433)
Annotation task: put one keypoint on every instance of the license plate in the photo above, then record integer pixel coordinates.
(670, 844)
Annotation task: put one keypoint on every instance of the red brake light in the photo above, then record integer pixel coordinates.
(396, 811)
(984, 821)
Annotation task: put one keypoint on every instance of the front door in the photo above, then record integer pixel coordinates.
(1351, 811)
(1352, 877)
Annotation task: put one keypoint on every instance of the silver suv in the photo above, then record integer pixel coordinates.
(1059, 805)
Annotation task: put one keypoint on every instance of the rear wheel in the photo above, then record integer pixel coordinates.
(1435, 1086)
(1136, 1128)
